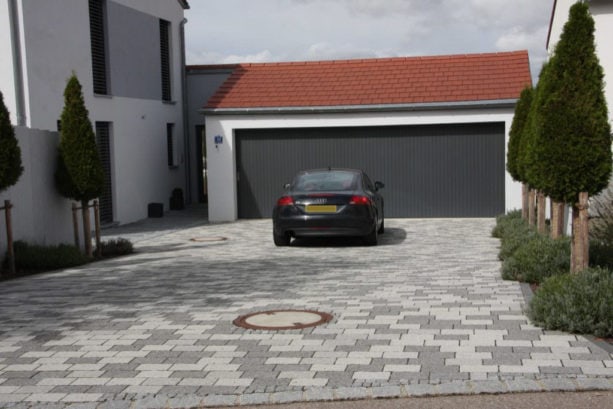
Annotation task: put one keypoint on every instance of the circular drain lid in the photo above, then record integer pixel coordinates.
(282, 319)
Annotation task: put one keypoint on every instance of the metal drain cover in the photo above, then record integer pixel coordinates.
(282, 319)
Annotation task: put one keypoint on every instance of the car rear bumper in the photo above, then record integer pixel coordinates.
(323, 225)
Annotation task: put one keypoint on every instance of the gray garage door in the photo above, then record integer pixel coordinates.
(429, 171)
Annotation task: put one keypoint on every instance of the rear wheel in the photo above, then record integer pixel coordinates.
(382, 228)
(372, 238)
(281, 240)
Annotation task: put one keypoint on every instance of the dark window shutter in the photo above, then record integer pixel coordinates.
(103, 137)
(165, 59)
(98, 46)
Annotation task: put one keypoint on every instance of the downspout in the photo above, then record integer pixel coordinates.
(17, 63)
(186, 144)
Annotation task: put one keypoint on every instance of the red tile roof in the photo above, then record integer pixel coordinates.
(387, 81)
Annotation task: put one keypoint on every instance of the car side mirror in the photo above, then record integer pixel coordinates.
(379, 185)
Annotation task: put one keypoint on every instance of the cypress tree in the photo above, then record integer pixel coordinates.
(573, 135)
(10, 154)
(522, 109)
(79, 173)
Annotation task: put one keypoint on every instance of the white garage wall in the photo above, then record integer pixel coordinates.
(222, 158)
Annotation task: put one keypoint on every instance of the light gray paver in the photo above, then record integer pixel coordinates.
(155, 328)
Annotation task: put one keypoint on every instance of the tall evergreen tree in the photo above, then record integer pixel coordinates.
(573, 135)
(10, 154)
(10, 171)
(79, 174)
(522, 109)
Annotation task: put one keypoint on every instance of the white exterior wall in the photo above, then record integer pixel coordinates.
(222, 158)
(6, 62)
(40, 215)
(55, 43)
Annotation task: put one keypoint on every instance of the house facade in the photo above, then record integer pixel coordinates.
(129, 57)
(433, 129)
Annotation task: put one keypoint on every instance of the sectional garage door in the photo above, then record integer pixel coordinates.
(455, 170)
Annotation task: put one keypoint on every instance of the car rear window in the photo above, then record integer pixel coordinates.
(326, 181)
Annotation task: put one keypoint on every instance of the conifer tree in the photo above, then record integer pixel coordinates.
(522, 109)
(10, 154)
(79, 174)
(10, 171)
(573, 136)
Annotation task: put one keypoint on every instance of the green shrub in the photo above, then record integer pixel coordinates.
(116, 247)
(40, 258)
(537, 258)
(503, 222)
(516, 233)
(579, 303)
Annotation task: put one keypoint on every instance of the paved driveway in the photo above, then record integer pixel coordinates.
(426, 312)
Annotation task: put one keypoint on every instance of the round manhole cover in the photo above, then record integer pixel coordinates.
(208, 239)
(282, 319)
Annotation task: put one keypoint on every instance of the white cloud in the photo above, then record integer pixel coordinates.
(215, 57)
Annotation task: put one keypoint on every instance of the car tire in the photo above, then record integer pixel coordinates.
(382, 228)
(372, 238)
(281, 240)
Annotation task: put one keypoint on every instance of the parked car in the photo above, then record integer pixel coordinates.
(329, 202)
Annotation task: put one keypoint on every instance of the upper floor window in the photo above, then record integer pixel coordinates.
(165, 58)
(98, 45)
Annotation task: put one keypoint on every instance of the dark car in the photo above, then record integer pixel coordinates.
(329, 202)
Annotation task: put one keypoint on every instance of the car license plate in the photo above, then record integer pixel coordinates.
(320, 208)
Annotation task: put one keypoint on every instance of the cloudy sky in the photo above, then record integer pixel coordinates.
(230, 31)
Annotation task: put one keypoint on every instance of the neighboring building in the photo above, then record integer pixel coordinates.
(434, 129)
(129, 58)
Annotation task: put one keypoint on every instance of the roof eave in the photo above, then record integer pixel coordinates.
(184, 4)
(426, 106)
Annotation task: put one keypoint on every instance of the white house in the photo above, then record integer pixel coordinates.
(433, 129)
(129, 58)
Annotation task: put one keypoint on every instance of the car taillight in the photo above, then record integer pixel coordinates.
(359, 200)
(285, 201)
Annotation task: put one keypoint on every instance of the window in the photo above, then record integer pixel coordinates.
(98, 46)
(165, 58)
(170, 143)
(103, 141)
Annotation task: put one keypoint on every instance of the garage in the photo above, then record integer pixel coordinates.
(454, 170)
(433, 129)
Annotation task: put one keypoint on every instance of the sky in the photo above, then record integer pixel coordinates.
(232, 31)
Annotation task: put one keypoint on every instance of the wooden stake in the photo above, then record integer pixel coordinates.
(9, 236)
(75, 225)
(87, 234)
(97, 225)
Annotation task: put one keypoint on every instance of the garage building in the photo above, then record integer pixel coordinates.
(433, 129)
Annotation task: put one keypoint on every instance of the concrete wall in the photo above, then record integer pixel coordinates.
(40, 214)
(201, 85)
(222, 158)
(56, 42)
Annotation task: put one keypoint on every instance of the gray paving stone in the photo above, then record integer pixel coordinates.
(171, 304)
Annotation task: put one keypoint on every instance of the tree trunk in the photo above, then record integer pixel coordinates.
(531, 210)
(524, 201)
(557, 219)
(10, 253)
(580, 242)
(540, 207)
(87, 232)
